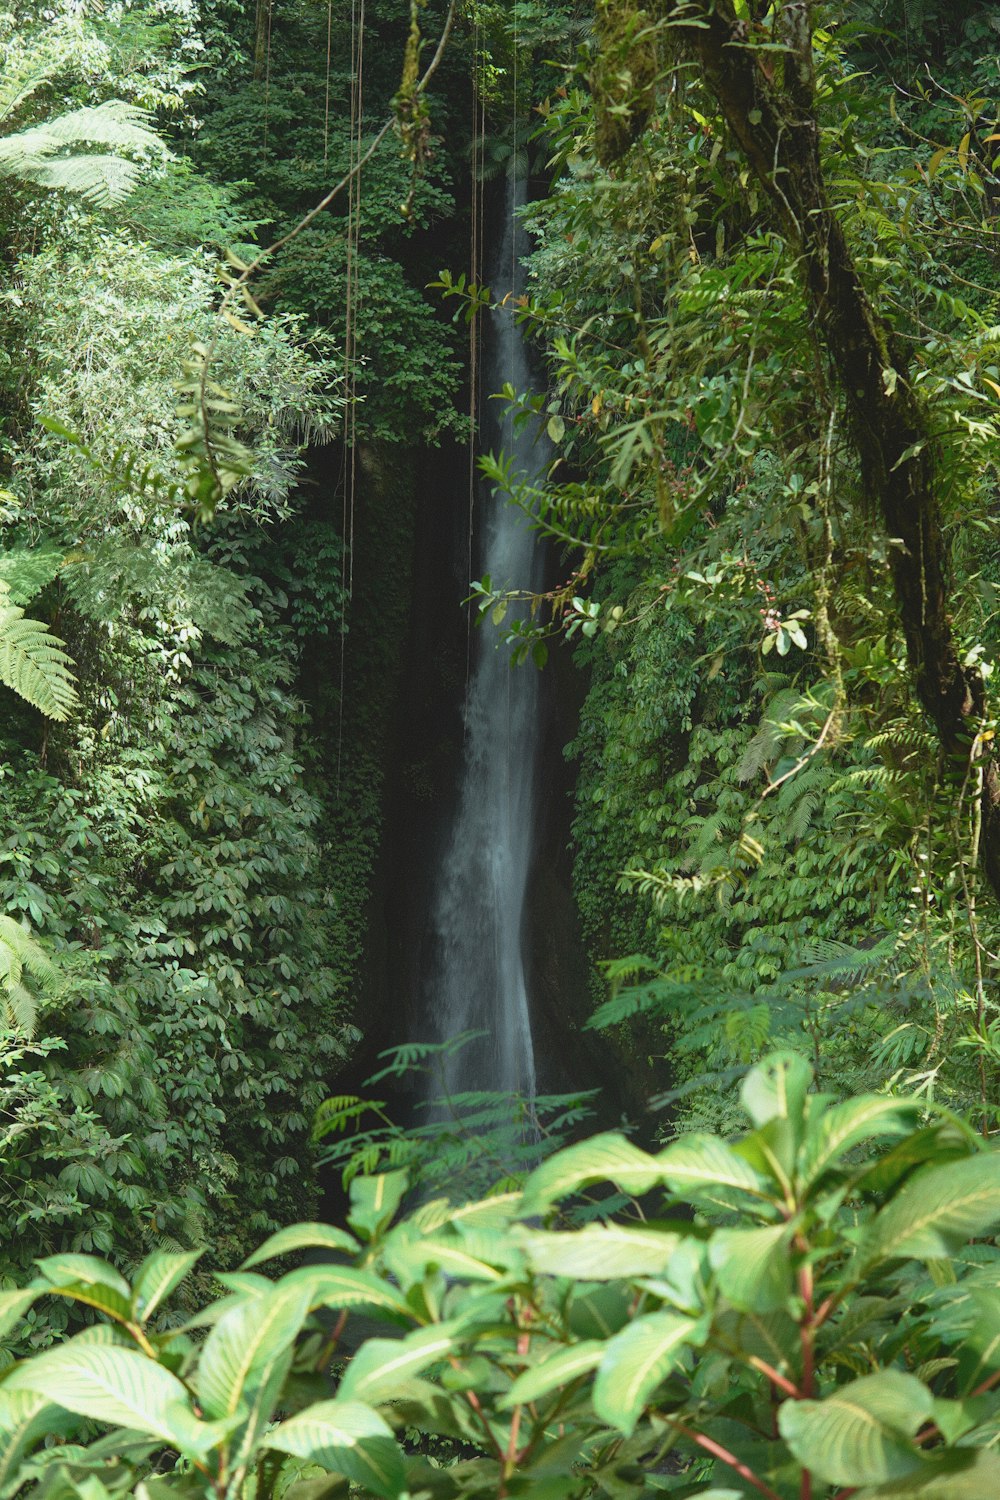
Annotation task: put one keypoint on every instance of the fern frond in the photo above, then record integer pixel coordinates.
(20, 955)
(770, 735)
(829, 959)
(33, 663)
(27, 570)
(40, 153)
(19, 1009)
(42, 59)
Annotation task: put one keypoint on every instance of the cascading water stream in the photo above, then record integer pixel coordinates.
(477, 912)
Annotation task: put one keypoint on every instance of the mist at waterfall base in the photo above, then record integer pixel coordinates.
(477, 980)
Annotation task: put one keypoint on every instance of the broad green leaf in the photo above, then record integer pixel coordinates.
(932, 1146)
(601, 1252)
(382, 1366)
(14, 1305)
(374, 1201)
(695, 1162)
(558, 1370)
(777, 1088)
(316, 1485)
(861, 1432)
(244, 1343)
(159, 1275)
(343, 1286)
(938, 1210)
(25, 1418)
(114, 1385)
(245, 1283)
(635, 1362)
(772, 1336)
(86, 1278)
(848, 1124)
(959, 1474)
(489, 1214)
(752, 1266)
(348, 1438)
(685, 1278)
(302, 1237)
(604, 1158)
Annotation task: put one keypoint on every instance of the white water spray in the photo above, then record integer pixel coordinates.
(478, 909)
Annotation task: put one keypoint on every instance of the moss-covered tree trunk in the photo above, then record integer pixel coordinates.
(771, 112)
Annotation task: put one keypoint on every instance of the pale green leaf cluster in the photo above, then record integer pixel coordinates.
(807, 1308)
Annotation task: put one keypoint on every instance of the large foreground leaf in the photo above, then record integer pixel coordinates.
(848, 1124)
(601, 1252)
(556, 1371)
(25, 1418)
(969, 1474)
(159, 1274)
(752, 1266)
(303, 1237)
(636, 1360)
(381, 1366)
(938, 1210)
(861, 1432)
(117, 1386)
(605, 1158)
(243, 1345)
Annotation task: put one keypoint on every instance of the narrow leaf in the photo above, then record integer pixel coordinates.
(302, 1237)
(556, 1371)
(381, 1366)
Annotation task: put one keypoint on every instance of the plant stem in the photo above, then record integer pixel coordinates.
(709, 1445)
(781, 1381)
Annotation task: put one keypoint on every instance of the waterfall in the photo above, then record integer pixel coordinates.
(477, 912)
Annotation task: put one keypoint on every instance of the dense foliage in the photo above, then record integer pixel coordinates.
(838, 1335)
(184, 890)
(774, 840)
(763, 302)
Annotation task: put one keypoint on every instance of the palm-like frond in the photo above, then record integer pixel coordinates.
(48, 154)
(33, 662)
(42, 59)
(27, 570)
(20, 955)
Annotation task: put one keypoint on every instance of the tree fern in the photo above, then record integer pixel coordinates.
(48, 154)
(20, 958)
(32, 661)
(26, 570)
